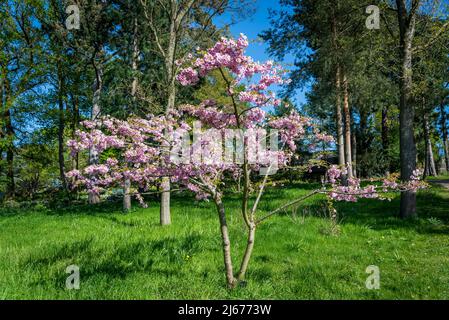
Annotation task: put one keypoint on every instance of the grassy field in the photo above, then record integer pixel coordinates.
(132, 257)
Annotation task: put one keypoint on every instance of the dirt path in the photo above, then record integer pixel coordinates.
(444, 183)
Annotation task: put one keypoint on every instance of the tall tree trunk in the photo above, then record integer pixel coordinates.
(338, 111)
(406, 109)
(385, 129)
(134, 67)
(444, 135)
(2, 133)
(385, 137)
(75, 120)
(347, 116)
(61, 126)
(9, 135)
(354, 151)
(96, 110)
(340, 125)
(165, 217)
(430, 161)
(10, 184)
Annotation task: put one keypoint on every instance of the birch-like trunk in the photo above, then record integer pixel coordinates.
(165, 216)
(444, 135)
(430, 168)
(354, 152)
(347, 117)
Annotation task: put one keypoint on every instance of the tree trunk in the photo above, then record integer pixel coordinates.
(9, 135)
(406, 110)
(444, 134)
(134, 67)
(347, 116)
(385, 137)
(354, 152)
(430, 162)
(248, 252)
(96, 110)
(339, 116)
(127, 195)
(2, 133)
(171, 96)
(75, 120)
(10, 184)
(385, 129)
(340, 125)
(231, 281)
(61, 126)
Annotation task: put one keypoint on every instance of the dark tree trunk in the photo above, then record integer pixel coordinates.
(134, 68)
(75, 120)
(386, 138)
(10, 184)
(406, 110)
(61, 126)
(2, 133)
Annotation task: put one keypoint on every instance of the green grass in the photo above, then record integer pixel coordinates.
(132, 257)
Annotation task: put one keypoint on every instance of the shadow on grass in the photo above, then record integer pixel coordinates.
(432, 209)
(122, 261)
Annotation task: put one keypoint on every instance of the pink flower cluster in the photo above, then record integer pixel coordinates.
(349, 189)
(230, 54)
(142, 146)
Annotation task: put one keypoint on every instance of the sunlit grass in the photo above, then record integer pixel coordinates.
(132, 257)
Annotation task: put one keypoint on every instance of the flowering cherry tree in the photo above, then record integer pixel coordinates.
(160, 146)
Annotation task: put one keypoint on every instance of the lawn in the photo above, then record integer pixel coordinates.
(132, 257)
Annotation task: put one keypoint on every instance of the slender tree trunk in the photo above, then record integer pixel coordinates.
(134, 67)
(340, 125)
(231, 281)
(354, 152)
(2, 133)
(75, 120)
(61, 127)
(338, 111)
(385, 137)
(406, 110)
(385, 129)
(165, 218)
(347, 116)
(430, 161)
(96, 110)
(10, 184)
(9, 135)
(444, 134)
(248, 252)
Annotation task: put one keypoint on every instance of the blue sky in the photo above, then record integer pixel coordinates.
(254, 25)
